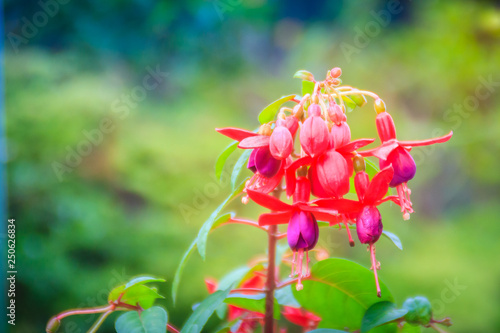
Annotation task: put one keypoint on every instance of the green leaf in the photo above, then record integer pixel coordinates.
(255, 303)
(304, 75)
(153, 320)
(360, 99)
(326, 330)
(340, 291)
(380, 313)
(182, 264)
(180, 269)
(409, 328)
(138, 294)
(240, 164)
(371, 168)
(222, 158)
(284, 296)
(307, 87)
(142, 280)
(202, 313)
(269, 111)
(201, 240)
(349, 103)
(395, 239)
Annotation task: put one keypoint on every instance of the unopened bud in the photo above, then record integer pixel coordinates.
(336, 82)
(304, 75)
(419, 310)
(265, 129)
(360, 100)
(336, 72)
(379, 105)
(53, 325)
(358, 163)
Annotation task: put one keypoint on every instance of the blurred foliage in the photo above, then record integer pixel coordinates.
(119, 212)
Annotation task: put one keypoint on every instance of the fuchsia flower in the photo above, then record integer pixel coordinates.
(301, 217)
(314, 136)
(396, 153)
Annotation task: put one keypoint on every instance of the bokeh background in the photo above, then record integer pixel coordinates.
(134, 197)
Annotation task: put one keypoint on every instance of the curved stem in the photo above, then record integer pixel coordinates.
(99, 321)
(359, 92)
(172, 328)
(73, 312)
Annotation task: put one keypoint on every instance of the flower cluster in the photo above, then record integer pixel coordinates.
(308, 151)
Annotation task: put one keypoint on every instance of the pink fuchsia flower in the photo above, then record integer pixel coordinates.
(396, 153)
(281, 143)
(305, 319)
(268, 170)
(314, 135)
(301, 218)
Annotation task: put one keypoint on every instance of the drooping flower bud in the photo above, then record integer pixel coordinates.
(314, 136)
(379, 105)
(303, 231)
(281, 143)
(385, 127)
(333, 173)
(335, 113)
(314, 110)
(369, 225)
(265, 163)
(403, 164)
(289, 122)
(340, 135)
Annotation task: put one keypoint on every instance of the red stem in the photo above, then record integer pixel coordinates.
(246, 222)
(270, 282)
(252, 290)
(72, 312)
(172, 329)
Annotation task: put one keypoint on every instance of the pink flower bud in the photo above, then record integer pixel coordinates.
(314, 110)
(336, 114)
(385, 127)
(336, 72)
(281, 143)
(303, 231)
(314, 136)
(403, 164)
(265, 163)
(369, 225)
(340, 135)
(333, 173)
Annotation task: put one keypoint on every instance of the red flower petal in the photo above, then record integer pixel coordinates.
(381, 152)
(290, 173)
(254, 142)
(275, 218)
(343, 206)
(354, 145)
(427, 142)
(234, 133)
(378, 186)
(268, 201)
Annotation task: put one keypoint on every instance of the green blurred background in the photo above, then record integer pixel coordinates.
(134, 203)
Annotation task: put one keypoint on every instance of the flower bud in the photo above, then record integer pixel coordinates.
(369, 225)
(379, 105)
(336, 72)
(303, 231)
(340, 135)
(385, 127)
(265, 129)
(360, 99)
(336, 114)
(403, 164)
(333, 173)
(359, 163)
(419, 310)
(281, 143)
(314, 110)
(265, 163)
(53, 325)
(314, 136)
(304, 75)
(289, 122)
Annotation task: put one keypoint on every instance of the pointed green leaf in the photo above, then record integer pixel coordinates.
(326, 330)
(202, 313)
(255, 303)
(395, 239)
(380, 313)
(349, 103)
(142, 280)
(269, 111)
(307, 87)
(138, 294)
(201, 241)
(153, 320)
(222, 158)
(240, 164)
(350, 289)
(360, 99)
(178, 273)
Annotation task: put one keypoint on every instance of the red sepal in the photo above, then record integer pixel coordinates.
(234, 133)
